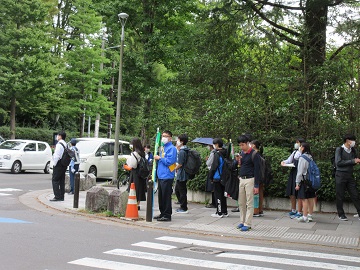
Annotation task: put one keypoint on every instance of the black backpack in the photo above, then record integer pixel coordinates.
(142, 167)
(192, 163)
(266, 172)
(228, 171)
(67, 156)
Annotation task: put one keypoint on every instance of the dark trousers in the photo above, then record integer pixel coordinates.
(181, 194)
(345, 181)
(221, 204)
(58, 181)
(164, 197)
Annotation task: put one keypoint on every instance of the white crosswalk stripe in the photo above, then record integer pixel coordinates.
(8, 190)
(261, 258)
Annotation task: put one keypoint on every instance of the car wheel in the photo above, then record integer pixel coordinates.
(92, 170)
(47, 168)
(16, 167)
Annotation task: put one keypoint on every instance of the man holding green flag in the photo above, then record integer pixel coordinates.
(165, 175)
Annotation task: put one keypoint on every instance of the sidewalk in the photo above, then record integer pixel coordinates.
(326, 229)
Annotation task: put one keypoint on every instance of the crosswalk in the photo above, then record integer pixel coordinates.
(8, 191)
(165, 251)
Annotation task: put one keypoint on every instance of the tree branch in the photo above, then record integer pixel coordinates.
(288, 39)
(279, 5)
(262, 15)
(332, 57)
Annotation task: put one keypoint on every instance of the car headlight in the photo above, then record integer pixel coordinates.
(82, 160)
(7, 157)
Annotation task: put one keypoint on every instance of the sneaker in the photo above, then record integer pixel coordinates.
(216, 215)
(235, 210)
(245, 228)
(226, 215)
(297, 215)
(302, 219)
(256, 215)
(310, 218)
(261, 214)
(240, 226)
(356, 215)
(291, 213)
(181, 211)
(343, 218)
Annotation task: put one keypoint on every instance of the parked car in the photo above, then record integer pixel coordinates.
(97, 155)
(21, 155)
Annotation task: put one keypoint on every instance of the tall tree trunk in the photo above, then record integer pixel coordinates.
(12, 117)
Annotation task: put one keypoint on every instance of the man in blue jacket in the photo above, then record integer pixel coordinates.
(165, 175)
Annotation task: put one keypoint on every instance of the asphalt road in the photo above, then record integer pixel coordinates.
(32, 239)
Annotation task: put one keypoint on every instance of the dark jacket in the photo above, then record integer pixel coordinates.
(345, 161)
(215, 170)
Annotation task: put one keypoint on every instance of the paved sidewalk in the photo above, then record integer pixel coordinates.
(326, 229)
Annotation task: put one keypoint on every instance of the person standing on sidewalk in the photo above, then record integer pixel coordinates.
(259, 212)
(249, 182)
(209, 187)
(58, 177)
(305, 193)
(215, 176)
(181, 175)
(74, 166)
(165, 175)
(345, 160)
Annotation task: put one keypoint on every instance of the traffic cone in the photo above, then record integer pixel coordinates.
(132, 207)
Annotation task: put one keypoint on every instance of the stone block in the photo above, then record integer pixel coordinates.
(97, 199)
(118, 202)
(87, 182)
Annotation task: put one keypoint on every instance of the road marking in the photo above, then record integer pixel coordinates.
(9, 189)
(227, 246)
(182, 260)
(12, 220)
(105, 264)
(5, 194)
(153, 245)
(303, 264)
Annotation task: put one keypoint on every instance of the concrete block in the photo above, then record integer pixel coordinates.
(87, 182)
(117, 202)
(97, 199)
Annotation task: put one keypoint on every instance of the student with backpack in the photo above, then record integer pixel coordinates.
(345, 160)
(181, 175)
(74, 165)
(215, 176)
(306, 193)
(133, 162)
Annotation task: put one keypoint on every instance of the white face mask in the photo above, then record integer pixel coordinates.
(296, 146)
(164, 140)
(131, 146)
(147, 150)
(214, 146)
(352, 144)
(178, 143)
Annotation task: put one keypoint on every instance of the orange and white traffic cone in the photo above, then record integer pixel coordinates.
(132, 207)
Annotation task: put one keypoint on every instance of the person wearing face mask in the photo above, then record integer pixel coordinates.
(181, 175)
(209, 187)
(290, 189)
(165, 175)
(345, 160)
(148, 155)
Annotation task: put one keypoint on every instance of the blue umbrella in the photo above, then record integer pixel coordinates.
(207, 141)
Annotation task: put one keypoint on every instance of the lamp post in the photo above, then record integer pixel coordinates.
(122, 18)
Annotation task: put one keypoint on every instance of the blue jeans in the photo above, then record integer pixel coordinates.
(72, 177)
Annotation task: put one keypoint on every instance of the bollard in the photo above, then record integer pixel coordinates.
(149, 201)
(76, 190)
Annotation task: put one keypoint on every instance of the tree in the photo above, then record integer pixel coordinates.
(26, 70)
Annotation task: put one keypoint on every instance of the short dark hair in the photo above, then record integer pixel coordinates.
(243, 139)
(147, 146)
(62, 134)
(350, 137)
(168, 132)
(218, 141)
(256, 143)
(300, 140)
(183, 138)
(306, 148)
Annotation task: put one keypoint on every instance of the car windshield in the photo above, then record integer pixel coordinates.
(87, 147)
(12, 145)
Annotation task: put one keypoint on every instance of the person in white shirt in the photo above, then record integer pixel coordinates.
(58, 177)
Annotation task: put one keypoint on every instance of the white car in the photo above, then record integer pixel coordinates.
(97, 155)
(21, 155)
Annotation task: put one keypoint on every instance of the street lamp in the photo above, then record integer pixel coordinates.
(122, 18)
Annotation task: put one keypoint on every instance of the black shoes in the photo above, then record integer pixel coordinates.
(164, 219)
(157, 217)
(56, 200)
(343, 218)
